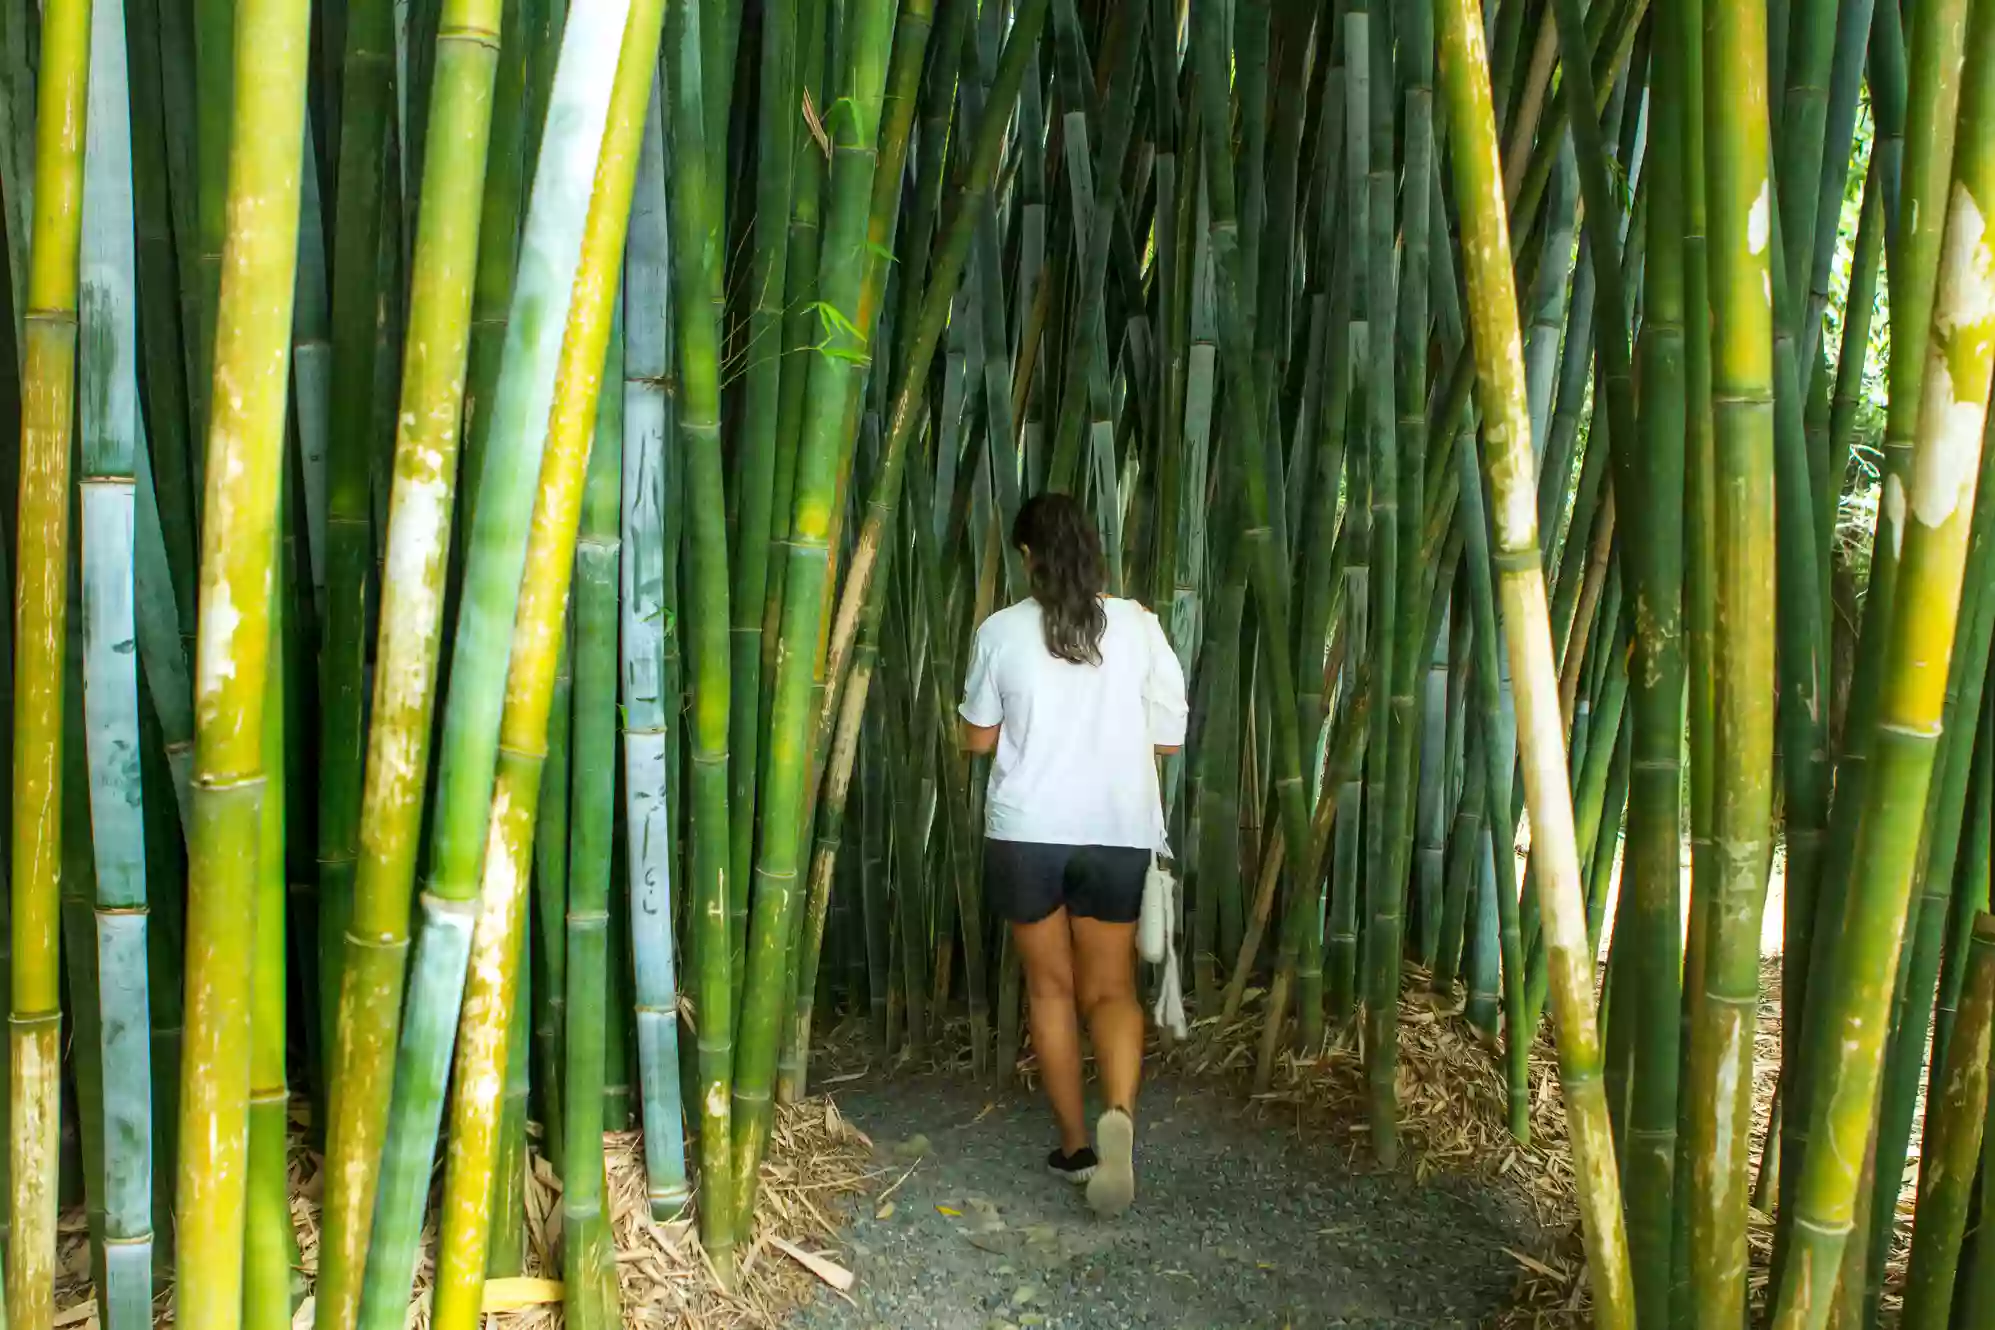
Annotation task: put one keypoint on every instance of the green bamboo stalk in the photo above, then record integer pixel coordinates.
(357, 241)
(269, 1241)
(778, 129)
(1217, 856)
(1717, 1080)
(1486, 250)
(232, 663)
(570, 483)
(1942, 471)
(213, 43)
(696, 282)
(1970, 893)
(1947, 1172)
(791, 1080)
(311, 363)
(497, 550)
(1653, 556)
(550, 890)
(48, 374)
(584, 1218)
(108, 418)
(1500, 863)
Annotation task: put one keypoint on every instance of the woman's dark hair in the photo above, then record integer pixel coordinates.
(1066, 573)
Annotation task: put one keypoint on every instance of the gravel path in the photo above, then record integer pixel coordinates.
(1239, 1222)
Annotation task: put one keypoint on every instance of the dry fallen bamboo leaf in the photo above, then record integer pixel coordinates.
(832, 1273)
(519, 1292)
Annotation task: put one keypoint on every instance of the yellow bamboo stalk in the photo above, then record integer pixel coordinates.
(48, 386)
(1499, 357)
(232, 653)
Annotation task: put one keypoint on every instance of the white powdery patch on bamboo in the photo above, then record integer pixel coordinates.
(1949, 448)
(413, 562)
(1894, 512)
(1965, 302)
(215, 660)
(1516, 487)
(1759, 222)
(481, 1071)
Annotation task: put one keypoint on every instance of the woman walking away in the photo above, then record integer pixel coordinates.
(1075, 692)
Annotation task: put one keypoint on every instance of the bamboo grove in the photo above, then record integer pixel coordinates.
(505, 489)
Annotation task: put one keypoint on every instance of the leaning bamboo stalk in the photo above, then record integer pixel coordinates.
(551, 560)
(1947, 1168)
(550, 253)
(1499, 367)
(1935, 888)
(951, 253)
(793, 1073)
(48, 375)
(233, 662)
(1942, 472)
(420, 506)
(108, 418)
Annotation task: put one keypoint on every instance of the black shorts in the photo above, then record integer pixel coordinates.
(1025, 881)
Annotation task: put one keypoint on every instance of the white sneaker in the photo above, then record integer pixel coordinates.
(1113, 1185)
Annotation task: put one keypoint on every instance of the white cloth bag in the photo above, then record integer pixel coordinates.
(1156, 942)
(1156, 936)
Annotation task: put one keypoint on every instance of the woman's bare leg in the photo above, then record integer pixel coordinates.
(1104, 962)
(1046, 951)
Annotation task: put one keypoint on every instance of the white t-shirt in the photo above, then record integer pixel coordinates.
(1075, 762)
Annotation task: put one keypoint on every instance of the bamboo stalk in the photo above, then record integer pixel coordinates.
(356, 295)
(232, 663)
(646, 535)
(584, 1220)
(108, 418)
(1486, 249)
(48, 376)
(696, 283)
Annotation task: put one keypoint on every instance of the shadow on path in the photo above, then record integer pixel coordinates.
(1239, 1222)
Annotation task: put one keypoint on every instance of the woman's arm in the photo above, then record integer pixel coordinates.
(979, 740)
